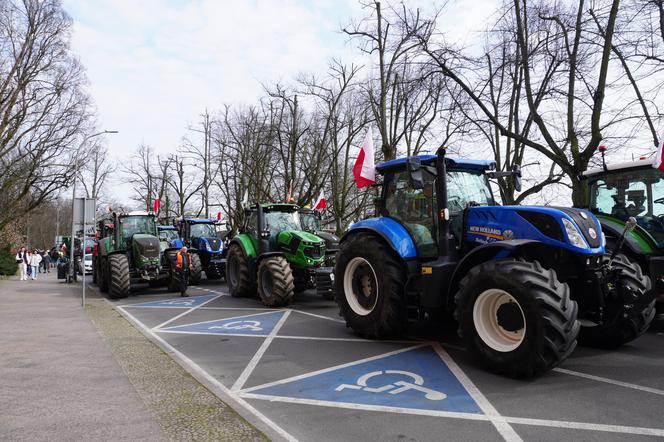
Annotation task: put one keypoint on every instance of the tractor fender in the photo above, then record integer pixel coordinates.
(246, 245)
(490, 252)
(630, 243)
(391, 231)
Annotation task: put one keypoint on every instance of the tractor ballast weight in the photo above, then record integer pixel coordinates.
(519, 280)
(619, 191)
(205, 246)
(273, 255)
(128, 251)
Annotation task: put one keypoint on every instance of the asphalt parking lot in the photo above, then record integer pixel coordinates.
(301, 374)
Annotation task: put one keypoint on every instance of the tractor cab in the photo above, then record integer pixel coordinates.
(207, 248)
(169, 237)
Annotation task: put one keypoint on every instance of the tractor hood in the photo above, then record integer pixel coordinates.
(210, 244)
(331, 240)
(577, 230)
(146, 249)
(303, 247)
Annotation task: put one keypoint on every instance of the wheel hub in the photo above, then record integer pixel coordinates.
(360, 286)
(510, 317)
(499, 320)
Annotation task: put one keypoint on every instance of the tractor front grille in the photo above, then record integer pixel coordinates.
(314, 252)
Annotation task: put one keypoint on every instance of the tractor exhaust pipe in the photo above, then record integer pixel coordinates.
(443, 212)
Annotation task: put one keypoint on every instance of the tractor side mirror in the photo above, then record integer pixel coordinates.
(415, 173)
(516, 176)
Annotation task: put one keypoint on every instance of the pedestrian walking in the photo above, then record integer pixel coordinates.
(22, 261)
(183, 266)
(35, 261)
(29, 255)
(46, 260)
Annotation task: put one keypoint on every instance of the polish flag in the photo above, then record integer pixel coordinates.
(218, 216)
(156, 205)
(364, 169)
(658, 161)
(321, 202)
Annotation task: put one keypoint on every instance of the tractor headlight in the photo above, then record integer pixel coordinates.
(575, 237)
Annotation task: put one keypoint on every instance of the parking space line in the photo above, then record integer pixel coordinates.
(242, 308)
(610, 381)
(643, 431)
(241, 335)
(185, 312)
(503, 427)
(240, 381)
(208, 380)
(319, 316)
(328, 369)
(160, 328)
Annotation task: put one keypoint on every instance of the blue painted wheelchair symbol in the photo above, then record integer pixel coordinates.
(260, 324)
(194, 301)
(416, 383)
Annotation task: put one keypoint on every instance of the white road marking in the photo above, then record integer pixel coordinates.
(257, 335)
(186, 312)
(504, 428)
(585, 426)
(341, 321)
(326, 370)
(160, 328)
(243, 308)
(240, 381)
(610, 381)
(208, 380)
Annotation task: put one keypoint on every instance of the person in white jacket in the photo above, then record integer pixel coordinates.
(22, 261)
(35, 260)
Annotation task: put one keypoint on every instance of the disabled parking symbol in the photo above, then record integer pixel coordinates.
(415, 378)
(194, 301)
(260, 324)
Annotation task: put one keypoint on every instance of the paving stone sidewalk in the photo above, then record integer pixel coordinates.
(73, 374)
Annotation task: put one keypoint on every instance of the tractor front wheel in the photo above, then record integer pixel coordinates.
(625, 320)
(516, 317)
(369, 287)
(238, 275)
(196, 269)
(275, 282)
(103, 277)
(118, 266)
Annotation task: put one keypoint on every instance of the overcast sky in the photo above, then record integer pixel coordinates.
(155, 65)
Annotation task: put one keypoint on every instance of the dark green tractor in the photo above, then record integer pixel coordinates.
(633, 189)
(128, 251)
(273, 255)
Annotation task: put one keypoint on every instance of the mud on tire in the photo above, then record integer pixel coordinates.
(118, 267)
(631, 322)
(238, 275)
(275, 282)
(369, 282)
(530, 327)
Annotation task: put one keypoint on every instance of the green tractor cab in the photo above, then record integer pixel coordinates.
(633, 189)
(311, 222)
(272, 254)
(128, 251)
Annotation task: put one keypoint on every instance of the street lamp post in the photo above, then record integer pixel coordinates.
(72, 268)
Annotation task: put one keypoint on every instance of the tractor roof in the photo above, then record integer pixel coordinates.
(452, 163)
(166, 227)
(136, 213)
(278, 207)
(626, 165)
(200, 221)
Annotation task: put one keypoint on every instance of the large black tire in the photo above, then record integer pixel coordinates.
(94, 271)
(369, 286)
(212, 273)
(196, 269)
(516, 317)
(238, 276)
(118, 269)
(632, 321)
(275, 282)
(104, 279)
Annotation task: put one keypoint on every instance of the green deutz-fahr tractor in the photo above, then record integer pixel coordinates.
(273, 254)
(311, 222)
(128, 249)
(633, 189)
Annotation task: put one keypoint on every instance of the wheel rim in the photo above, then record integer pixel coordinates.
(499, 320)
(266, 284)
(360, 286)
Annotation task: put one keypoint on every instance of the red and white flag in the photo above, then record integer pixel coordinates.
(364, 169)
(156, 205)
(289, 195)
(321, 202)
(658, 161)
(218, 216)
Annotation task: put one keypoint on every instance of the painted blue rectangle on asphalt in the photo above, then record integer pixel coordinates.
(416, 379)
(181, 302)
(260, 324)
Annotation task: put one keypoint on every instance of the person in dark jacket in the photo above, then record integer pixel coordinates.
(183, 267)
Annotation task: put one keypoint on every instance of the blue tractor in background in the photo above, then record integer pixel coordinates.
(521, 281)
(206, 246)
(169, 237)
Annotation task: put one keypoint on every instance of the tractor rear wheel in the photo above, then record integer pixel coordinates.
(275, 282)
(238, 275)
(516, 317)
(94, 271)
(630, 320)
(369, 287)
(103, 278)
(196, 269)
(118, 269)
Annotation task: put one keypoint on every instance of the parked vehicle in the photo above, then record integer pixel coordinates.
(87, 263)
(206, 248)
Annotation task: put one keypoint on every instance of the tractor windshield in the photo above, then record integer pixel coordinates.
(310, 222)
(638, 193)
(279, 221)
(203, 231)
(168, 235)
(132, 225)
(466, 189)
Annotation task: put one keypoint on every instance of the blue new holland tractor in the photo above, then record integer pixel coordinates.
(206, 247)
(522, 282)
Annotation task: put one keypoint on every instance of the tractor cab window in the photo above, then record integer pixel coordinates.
(415, 209)
(277, 222)
(310, 222)
(168, 235)
(467, 189)
(637, 193)
(137, 224)
(202, 231)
